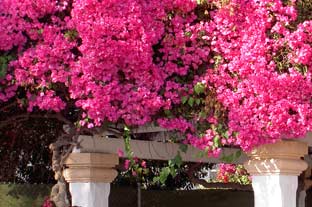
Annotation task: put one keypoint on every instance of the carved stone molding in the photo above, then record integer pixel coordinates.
(90, 167)
(282, 157)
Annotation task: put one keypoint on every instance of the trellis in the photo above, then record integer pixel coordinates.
(274, 167)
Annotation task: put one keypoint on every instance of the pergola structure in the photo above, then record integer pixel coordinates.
(274, 167)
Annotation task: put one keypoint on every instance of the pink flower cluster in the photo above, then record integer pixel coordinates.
(264, 104)
(23, 17)
(129, 61)
(232, 173)
(224, 172)
(45, 101)
(116, 77)
(47, 203)
(8, 88)
(179, 124)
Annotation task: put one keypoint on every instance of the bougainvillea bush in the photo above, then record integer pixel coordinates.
(220, 72)
(232, 173)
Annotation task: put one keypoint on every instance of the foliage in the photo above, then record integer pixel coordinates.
(153, 170)
(25, 195)
(172, 169)
(141, 169)
(233, 173)
(25, 153)
(220, 73)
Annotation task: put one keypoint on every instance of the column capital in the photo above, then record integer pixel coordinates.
(280, 158)
(90, 167)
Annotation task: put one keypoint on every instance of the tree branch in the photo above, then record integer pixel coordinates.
(7, 106)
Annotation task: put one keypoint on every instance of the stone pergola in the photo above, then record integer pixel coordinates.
(274, 168)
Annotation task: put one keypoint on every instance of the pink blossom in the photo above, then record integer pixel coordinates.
(132, 62)
(143, 163)
(127, 164)
(120, 153)
(47, 203)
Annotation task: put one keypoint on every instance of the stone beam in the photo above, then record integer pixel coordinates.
(151, 150)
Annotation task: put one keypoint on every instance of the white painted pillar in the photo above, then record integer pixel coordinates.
(275, 190)
(274, 169)
(89, 176)
(90, 194)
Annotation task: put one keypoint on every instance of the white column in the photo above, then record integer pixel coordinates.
(275, 169)
(275, 190)
(90, 194)
(89, 176)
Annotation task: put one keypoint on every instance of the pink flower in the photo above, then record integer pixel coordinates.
(143, 164)
(120, 152)
(47, 203)
(138, 62)
(127, 164)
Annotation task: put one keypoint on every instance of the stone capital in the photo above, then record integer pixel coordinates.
(90, 167)
(281, 158)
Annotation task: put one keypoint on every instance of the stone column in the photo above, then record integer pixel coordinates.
(274, 169)
(89, 176)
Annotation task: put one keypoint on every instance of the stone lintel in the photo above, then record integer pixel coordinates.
(151, 150)
(282, 157)
(90, 167)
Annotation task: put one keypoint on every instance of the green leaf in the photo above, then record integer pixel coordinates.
(231, 157)
(164, 174)
(228, 158)
(71, 34)
(219, 127)
(40, 31)
(200, 1)
(202, 114)
(200, 154)
(199, 88)
(226, 134)
(173, 171)
(139, 170)
(168, 113)
(145, 171)
(171, 162)
(188, 34)
(191, 102)
(237, 154)
(183, 147)
(4, 60)
(216, 141)
(197, 101)
(178, 160)
(184, 99)
(155, 180)
(2, 72)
